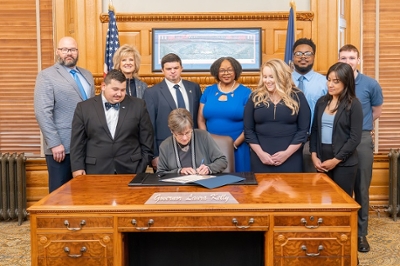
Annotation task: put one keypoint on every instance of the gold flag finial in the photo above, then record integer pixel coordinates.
(110, 5)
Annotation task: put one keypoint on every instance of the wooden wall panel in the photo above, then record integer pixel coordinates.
(36, 180)
(379, 189)
(136, 29)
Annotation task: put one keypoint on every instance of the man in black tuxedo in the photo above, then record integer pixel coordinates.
(169, 94)
(111, 132)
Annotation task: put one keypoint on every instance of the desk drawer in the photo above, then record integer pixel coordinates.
(311, 261)
(74, 223)
(311, 221)
(75, 247)
(194, 222)
(75, 262)
(318, 244)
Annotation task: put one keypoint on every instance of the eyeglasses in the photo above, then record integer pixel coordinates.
(66, 50)
(228, 71)
(181, 135)
(305, 54)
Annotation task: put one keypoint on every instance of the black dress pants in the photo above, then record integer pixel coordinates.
(344, 176)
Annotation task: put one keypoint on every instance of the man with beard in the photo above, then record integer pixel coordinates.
(58, 89)
(310, 82)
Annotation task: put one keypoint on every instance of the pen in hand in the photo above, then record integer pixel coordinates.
(197, 170)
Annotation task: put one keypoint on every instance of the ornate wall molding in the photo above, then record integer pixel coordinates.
(262, 16)
(204, 80)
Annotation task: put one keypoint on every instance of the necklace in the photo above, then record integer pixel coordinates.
(224, 97)
(230, 91)
(183, 148)
(275, 102)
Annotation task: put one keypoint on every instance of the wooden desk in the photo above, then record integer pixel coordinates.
(307, 219)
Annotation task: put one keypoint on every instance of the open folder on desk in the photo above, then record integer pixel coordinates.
(147, 179)
(208, 181)
(184, 179)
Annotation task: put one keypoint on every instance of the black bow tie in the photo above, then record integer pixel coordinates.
(109, 105)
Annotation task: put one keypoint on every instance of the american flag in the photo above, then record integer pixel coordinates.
(112, 40)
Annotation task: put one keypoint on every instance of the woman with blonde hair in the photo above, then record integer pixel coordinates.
(127, 60)
(276, 121)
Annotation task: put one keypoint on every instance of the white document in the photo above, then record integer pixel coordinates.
(187, 178)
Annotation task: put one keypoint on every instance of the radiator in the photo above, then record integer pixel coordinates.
(13, 187)
(394, 183)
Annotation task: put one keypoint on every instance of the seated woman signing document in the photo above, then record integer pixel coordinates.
(189, 151)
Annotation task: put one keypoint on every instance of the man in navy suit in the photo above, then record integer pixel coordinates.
(169, 94)
(111, 132)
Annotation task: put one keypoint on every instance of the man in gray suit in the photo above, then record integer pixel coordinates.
(171, 93)
(111, 133)
(57, 91)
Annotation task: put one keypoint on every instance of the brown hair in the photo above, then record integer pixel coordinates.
(171, 57)
(179, 119)
(349, 48)
(114, 74)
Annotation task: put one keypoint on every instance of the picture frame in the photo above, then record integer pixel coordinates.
(198, 48)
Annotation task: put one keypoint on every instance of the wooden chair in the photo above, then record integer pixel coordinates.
(225, 144)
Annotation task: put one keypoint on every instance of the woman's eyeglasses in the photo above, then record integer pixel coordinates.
(181, 135)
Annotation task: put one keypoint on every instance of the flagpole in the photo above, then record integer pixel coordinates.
(290, 34)
(112, 39)
(293, 6)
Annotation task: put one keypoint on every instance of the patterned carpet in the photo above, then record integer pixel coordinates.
(384, 238)
(15, 247)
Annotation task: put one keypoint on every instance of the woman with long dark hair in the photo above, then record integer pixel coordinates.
(337, 127)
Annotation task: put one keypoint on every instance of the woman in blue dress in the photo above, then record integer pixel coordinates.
(222, 105)
(276, 121)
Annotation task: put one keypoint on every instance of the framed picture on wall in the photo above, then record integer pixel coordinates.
(199, 48)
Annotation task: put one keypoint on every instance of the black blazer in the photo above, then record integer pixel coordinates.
(346, 134)
(94, 149)
(160, 103)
